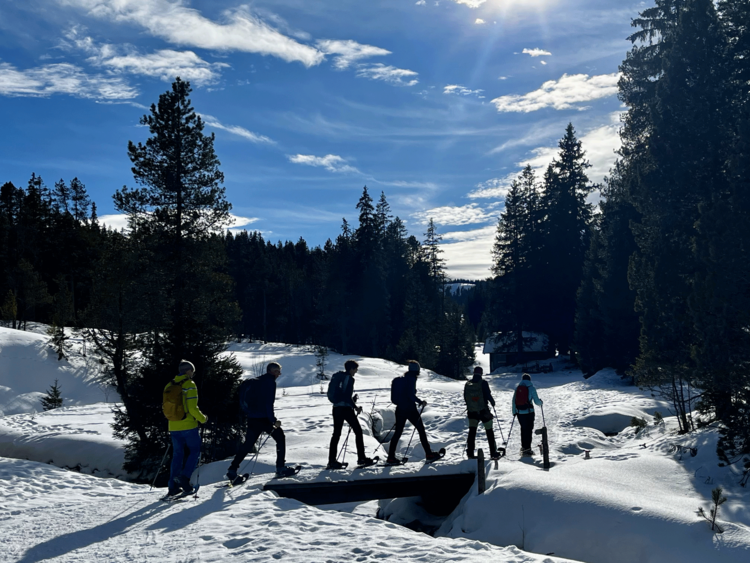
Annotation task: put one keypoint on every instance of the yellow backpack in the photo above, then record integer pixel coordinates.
(172, 405)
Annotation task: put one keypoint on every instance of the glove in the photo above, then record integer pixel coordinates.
(541, 402)
(359, 410)
(423, 404)
(277, 424)
(354, 399)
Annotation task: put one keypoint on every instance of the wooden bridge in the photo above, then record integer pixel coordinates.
(440, 493)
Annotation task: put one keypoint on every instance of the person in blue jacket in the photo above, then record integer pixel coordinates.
(345, 408)
(404, 396)
(262, 419)
(523, 408)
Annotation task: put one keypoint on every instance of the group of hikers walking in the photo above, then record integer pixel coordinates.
(257, 397)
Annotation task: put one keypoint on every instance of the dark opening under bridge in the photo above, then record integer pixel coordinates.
(440, 492)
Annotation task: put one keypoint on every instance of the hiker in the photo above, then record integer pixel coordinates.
(477, 396)
(260, 418)
(404, 396)
(180, 406)
(340, 391)
(523, 408)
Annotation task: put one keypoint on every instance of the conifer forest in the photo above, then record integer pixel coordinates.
(647, 273)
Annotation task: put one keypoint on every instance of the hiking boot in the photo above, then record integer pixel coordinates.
(231, 474)
(184, 482)
(285, 471)
(393, 460)
(432, 456)
(470, 454)
(365, 461)
(527, 453)
(335, 465)
(174, 492)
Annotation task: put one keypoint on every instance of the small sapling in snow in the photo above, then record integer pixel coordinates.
(718, 499)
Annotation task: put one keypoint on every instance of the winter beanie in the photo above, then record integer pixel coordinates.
(526, 377)
(185, 367)
(414, 366)
(478, 370)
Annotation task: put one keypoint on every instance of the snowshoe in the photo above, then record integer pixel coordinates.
(434, 456)
(527, 453)
(288, 471)
(367, 462)
(333, 465)
(393, 461)
(238, 480)
(182, 495)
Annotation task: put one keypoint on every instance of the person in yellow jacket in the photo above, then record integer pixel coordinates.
(184, 433)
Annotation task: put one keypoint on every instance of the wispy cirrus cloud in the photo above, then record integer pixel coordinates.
(349, 52)
(468, 254)
(393, 75)
(240, 30)
(479, 21)
(537, 52)
(494, 188)
(211, 121)
(561, 94)
(470, 214)
(166, 65)
(471, 3)
(62, 78)
(462, 91)
(331, 162)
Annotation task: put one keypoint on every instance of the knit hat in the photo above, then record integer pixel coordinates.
(414, 366)
(526, 377)
(478, 370)
(185, 367)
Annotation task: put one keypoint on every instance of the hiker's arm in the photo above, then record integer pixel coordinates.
(535, 397)
(191, 402)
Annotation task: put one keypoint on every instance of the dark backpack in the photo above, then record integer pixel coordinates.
(398, 390)
(474, 396)
(337, 387)
(250, 395)
(522, 398)
(171, 404)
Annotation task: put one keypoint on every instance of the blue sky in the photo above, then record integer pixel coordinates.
(436, 103)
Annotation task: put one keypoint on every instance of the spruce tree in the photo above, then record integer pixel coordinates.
(53, 399)
(177, 214)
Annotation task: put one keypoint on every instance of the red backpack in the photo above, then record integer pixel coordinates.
(522, 398)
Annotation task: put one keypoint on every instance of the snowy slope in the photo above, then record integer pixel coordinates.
(634, 500)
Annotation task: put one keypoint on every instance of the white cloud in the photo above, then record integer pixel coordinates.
(537, 52)
(62, 78)
(469, 256)
(119, 221)
(502, 78)
(421, 2)
(461, 90)
(166, 65)
(471, 3)
(561, 94)
(211, 121)
(405, 184)
(176, 23)
(456, 215)
(479, 21)
(349, 52)
(236, 222)
(388, 74)
(543, 62)
(331, 162)
(495, 188)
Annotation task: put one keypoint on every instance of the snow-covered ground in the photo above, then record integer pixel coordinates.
(634, 500)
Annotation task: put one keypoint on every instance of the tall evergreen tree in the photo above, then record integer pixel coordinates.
(177, 214)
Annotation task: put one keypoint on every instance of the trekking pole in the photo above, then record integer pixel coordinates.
(405, 458)
(511, 428)
(498, 424)
(257, 453)
(200, 455)
(543, 421)
(343, 448)
(158, 469)
(380, 444)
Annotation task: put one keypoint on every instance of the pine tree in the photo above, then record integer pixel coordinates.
(177, 215)
(53, 399)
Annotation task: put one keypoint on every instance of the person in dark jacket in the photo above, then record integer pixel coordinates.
(262, 419)
(478, 396)
(346, 409)
(404, 395)
(525, 413)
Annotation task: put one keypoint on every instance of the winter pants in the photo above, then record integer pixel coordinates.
(341, 414)
(412, 415)
(527, 428)
(485, 417)
(181, 467)
(255, 427)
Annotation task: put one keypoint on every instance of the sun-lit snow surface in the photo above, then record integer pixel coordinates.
(634, 500)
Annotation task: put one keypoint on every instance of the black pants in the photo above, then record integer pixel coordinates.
(412, 415)
(256, 426)
(341, 414)
(527, 428)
